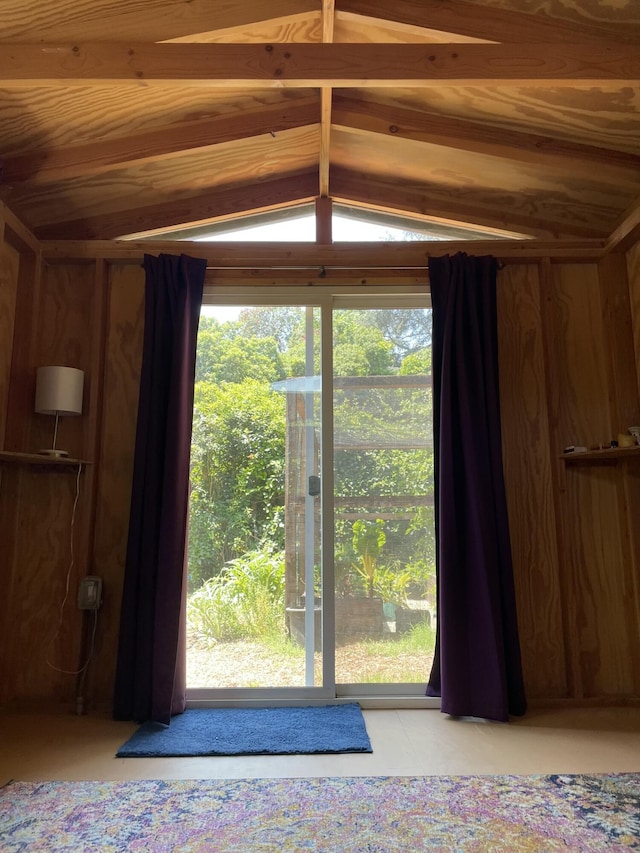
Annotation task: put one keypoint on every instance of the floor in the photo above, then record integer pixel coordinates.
(405, 743)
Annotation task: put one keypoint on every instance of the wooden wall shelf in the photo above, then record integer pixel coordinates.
(612, 454)
(11, 457)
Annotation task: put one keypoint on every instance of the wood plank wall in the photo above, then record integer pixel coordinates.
(570, 348)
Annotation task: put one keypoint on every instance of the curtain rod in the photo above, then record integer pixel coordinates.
(322, 268)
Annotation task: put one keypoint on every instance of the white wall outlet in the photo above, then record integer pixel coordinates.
(90, 593)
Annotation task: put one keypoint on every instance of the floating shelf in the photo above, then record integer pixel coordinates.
(11, 457)
(611, 454)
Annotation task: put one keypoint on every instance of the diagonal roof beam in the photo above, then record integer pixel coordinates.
(216, 204)
(438, 205)
(627, 232)
(50, 165)
(475, 20)
(400, 123)
(316, 65)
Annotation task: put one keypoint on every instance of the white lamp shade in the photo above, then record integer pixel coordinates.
(59, 390)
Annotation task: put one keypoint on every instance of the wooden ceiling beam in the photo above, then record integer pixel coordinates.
(316, 65)
(58, 164)
(475, 20)
(346, 255)
(400, 123)
(627, 232)
(211, 206)
(437, 205)
(326, 97)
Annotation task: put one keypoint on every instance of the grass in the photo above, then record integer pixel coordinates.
(276, 661)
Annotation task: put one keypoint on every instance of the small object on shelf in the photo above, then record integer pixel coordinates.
(575, 448)
(626, 440)
(635, 432)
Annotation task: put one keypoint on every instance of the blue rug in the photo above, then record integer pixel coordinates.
(253, 731)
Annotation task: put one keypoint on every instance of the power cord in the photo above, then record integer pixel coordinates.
(83, 668)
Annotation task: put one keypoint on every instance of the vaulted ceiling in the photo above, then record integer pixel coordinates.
(514, 117)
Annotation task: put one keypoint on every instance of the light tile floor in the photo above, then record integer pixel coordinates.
(405, 743)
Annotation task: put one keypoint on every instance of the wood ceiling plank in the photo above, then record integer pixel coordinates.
(144, 20)
(257, 159)
(305, 65)
(494, 24)
(352, 28)
(304, 27)
(607, 115)
(197, 209)
(51, 165)
(399, 123)
(456, 208)
(543, 191)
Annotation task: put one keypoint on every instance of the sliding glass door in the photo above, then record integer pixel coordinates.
(311, 566)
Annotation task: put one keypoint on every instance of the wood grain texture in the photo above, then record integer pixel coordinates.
(600, 630)
(400, 123)
(41, 503)
(617, 320)
(351, 28)
(302, 27)
(607, 116)
(529, 484)
(633, 267)
(303, 65)
(196, 209)
(461, 204)
(152, 20)
(121, 380)
(546, 190)
(604, 637)
(250, 160)
(9, 265)
(46, 166)
(505, 22)
(32, 119)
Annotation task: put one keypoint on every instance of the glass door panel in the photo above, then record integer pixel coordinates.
(384, 549)
(255, 589)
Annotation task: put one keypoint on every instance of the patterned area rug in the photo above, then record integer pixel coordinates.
(519, 814)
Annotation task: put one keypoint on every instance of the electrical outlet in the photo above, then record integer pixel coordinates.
(90, 593)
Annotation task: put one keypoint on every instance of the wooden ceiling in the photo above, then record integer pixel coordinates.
(512, 117)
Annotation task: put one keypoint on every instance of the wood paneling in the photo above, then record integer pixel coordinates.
(633, 265)
(528, 477)
(569, 342)
(121, 380)
(9, 264)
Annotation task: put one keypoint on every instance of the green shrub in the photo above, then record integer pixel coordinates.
(246, 600)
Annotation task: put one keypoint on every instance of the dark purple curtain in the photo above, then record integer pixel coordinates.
(150, 682)
(477, 669)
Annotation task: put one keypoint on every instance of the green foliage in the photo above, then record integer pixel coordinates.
(237, 473)
(246, 599)
(416, 363)
(225, 355)
(368, 540)
(238, 465)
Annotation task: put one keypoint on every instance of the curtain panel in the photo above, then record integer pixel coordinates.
(150, 677)
(477, 668)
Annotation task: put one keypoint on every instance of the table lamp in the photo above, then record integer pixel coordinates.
(58, 392)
